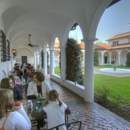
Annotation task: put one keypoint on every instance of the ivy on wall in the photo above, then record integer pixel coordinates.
(74, 57)
(96, 62)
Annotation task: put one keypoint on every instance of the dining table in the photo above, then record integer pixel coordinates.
(35, 106)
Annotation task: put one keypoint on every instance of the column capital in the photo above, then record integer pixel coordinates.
(102, 52)
(44, 51)
(62, 47)
(51, 50)
(119, 53)
(89, 40)
(109, 52)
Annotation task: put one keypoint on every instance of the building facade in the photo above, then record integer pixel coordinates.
(116, 50)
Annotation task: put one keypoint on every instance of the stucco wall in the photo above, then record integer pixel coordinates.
(25, 52)
(120, 41)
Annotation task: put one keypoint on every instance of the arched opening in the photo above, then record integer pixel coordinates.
(114, 57)
(57, 57)
(74, 56)
(106, 58)
(123, 57)
(76, 34)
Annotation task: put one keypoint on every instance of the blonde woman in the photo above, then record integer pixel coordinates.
(12, 117)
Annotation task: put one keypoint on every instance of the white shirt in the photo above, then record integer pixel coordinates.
(32, 88)
(55, 114)
(16, 120)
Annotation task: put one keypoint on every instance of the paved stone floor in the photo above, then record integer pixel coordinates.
(93, 116)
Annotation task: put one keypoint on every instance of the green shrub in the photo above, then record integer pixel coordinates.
(74, 57)
(96, 62)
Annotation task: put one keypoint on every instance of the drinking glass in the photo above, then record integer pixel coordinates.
(39, 95)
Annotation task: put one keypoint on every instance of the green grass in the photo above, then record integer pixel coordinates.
(57, 70)
(110, 66)
(116, 86)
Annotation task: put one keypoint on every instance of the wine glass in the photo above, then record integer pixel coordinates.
(39, 95)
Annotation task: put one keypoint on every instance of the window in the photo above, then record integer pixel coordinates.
(115, 43)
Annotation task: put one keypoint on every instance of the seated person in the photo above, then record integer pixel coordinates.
(19, 72)
(8, 83)
(17, 79)
(38, 85)
(12, 117)
(55, 110)
(27, 75)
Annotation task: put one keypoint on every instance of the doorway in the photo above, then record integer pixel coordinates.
(24, 59)
(105, 59)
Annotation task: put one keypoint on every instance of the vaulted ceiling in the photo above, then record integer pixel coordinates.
(47, 19)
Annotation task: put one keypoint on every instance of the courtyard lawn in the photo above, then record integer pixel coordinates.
(110, 66)
(57, 70)
(117, 86)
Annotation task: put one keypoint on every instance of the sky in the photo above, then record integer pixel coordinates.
(115, 20)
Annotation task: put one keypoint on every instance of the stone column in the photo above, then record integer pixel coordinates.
(37, 60)
(51, 61)
(102, 53)
(63, 64)
(89, 67)
(35, 64)
(40, 60)
(45, 62)
(119, 59)
(110, 58)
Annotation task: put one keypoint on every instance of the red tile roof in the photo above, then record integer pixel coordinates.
(99, 46)
(106, 46)
(119, 36)
(57, 44)
(82, 45)
(121, 46)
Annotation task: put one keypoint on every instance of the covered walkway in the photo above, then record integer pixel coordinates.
(93, 116)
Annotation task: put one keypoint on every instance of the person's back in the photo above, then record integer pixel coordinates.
(55, 114)
(55, 110)
(12, 116)
(17, 93)
(14, 121)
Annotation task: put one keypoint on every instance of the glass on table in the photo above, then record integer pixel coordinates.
(38, 95)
